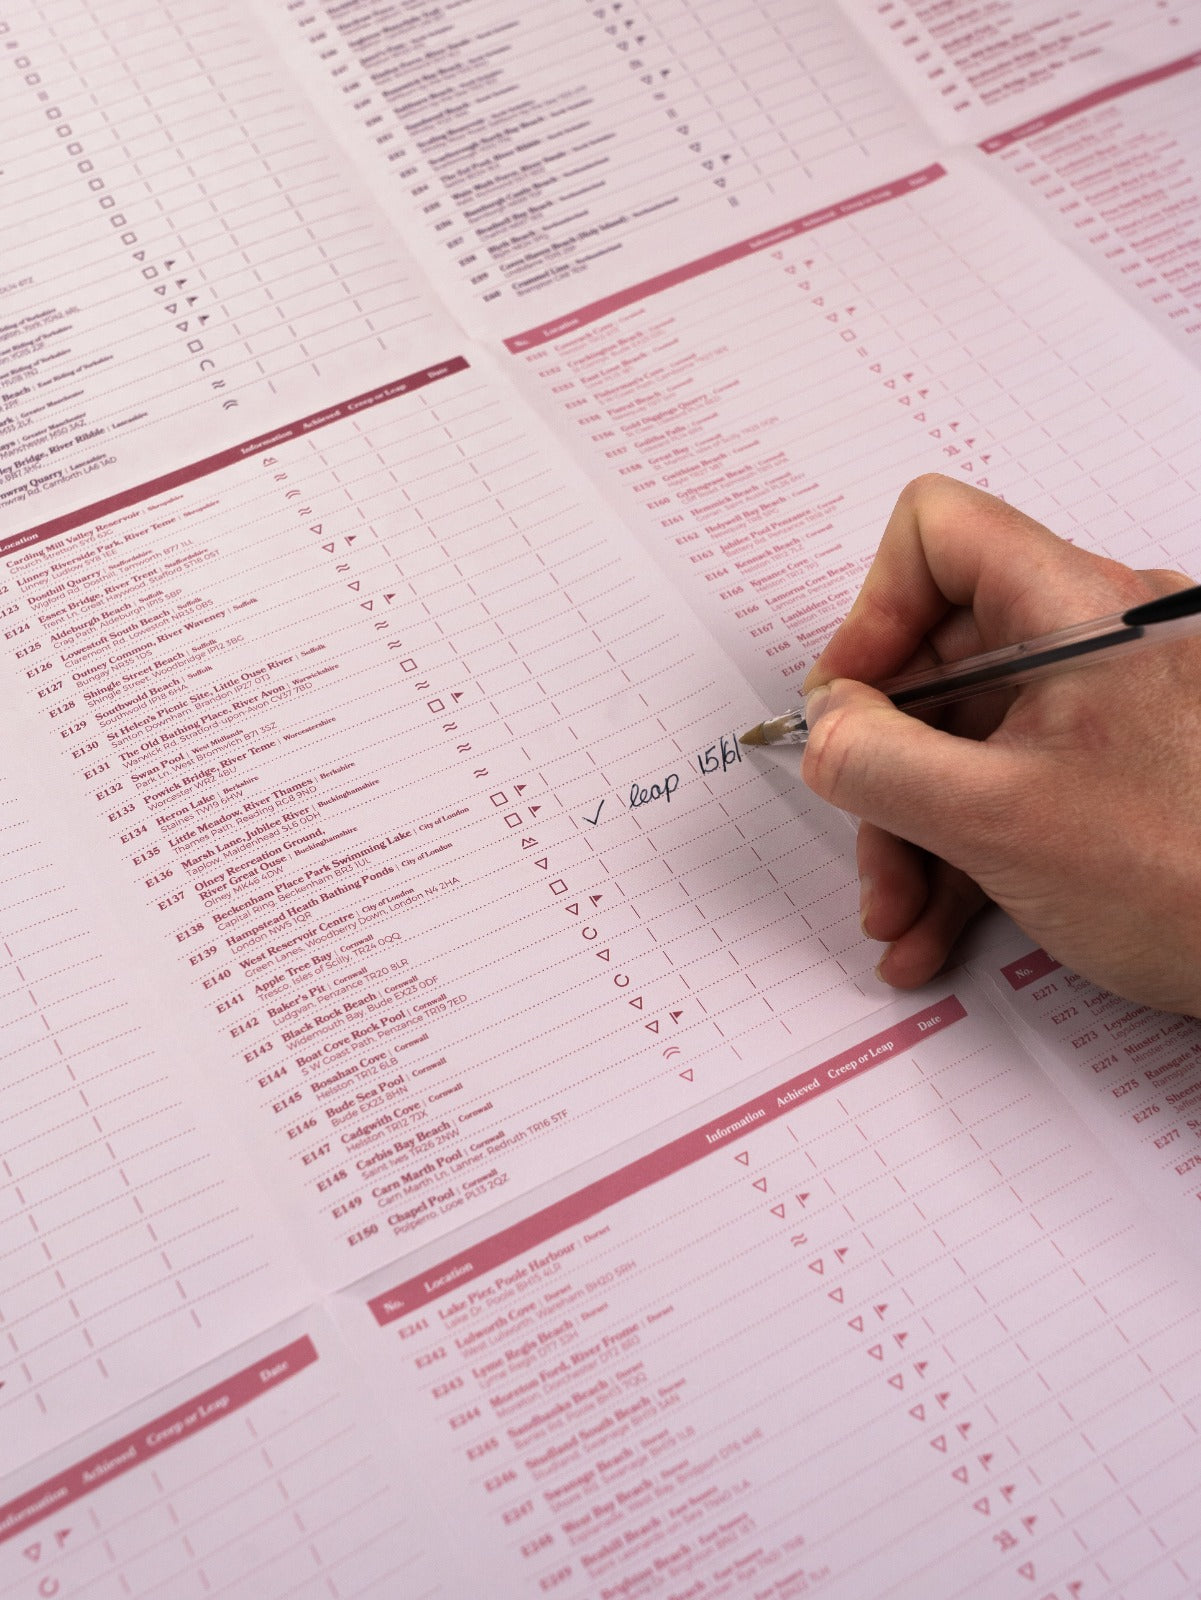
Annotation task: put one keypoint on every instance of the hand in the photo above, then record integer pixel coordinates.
(1074, 802)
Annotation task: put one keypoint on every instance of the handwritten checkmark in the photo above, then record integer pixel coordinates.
(596, 819)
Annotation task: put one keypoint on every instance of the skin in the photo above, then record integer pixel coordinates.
(1074, 803)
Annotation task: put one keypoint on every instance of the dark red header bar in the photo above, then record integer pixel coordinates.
(585, 1203)
(1112, 91)
(227, 458)
(1029, 969)
(734, 252)
(154, 1437)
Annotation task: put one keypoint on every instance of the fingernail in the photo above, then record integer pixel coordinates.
(866, 889)
(816, 703)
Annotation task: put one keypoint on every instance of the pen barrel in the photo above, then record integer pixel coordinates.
(1176, 615)
(1006, 668)
(1172, 616)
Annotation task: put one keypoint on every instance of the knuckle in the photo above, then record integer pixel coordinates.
(1164, 580)
(927, 484)
(827, 764)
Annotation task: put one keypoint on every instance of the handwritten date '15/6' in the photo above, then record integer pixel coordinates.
(717, 758)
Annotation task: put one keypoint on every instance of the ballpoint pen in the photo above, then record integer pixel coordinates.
(1173, 616)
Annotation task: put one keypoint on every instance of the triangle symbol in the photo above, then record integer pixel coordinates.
(687, 1073)
(777, 1211)
(918, 1412)
(574, 907)
(367, 605)
(876, 1352)
(897, 1381)
(960, 1473)
(981, 1505)
(760, 1184)
(328, 548)
(940, 1443)
(316, 527)
(856, 1323)
(33, 1552)
(542, 862)
(637, 1002)
(355, 585)
(743, 1156)
(652, 1027)
(1027, 1570)
(817, 1266)
(603, 955)
(836, 1294)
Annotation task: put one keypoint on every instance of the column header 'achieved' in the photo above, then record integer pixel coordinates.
(195, 470)
(548, 331)
(670, 1158)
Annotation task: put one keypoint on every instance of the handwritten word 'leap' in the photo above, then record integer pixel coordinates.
(720, 757)
(640, 796)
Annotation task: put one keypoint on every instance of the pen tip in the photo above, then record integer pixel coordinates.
(753, 735)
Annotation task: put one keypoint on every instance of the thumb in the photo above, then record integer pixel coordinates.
(951, 796)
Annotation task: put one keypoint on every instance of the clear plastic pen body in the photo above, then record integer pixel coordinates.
(1158, 622)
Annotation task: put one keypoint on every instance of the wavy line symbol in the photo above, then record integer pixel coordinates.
(672, 1050)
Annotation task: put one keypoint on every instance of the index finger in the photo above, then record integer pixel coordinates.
(948, 546)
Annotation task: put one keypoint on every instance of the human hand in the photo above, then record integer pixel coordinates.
(1073, 802)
